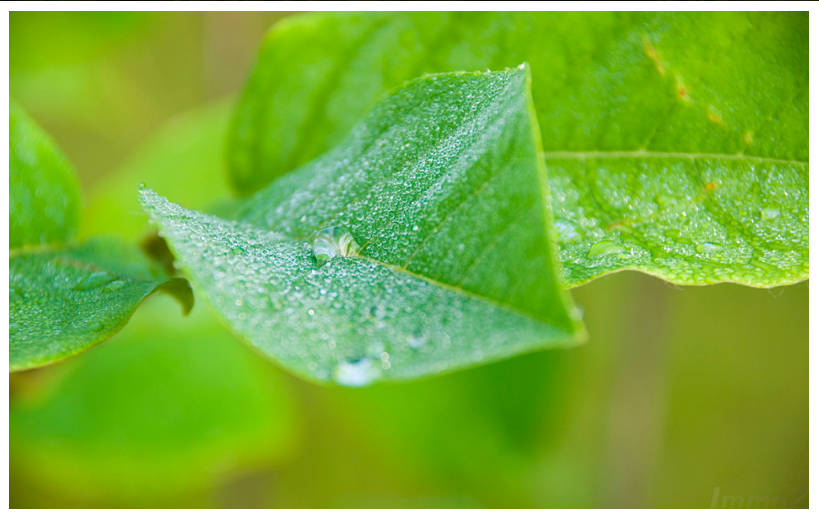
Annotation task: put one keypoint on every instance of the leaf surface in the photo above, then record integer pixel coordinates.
(64, 296)
(676, 143)
(64, 301)
(442, 186)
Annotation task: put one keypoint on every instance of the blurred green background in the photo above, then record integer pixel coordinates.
(679, 393)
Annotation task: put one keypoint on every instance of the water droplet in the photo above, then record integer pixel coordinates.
(417, 340)
(332, 242)
(708, 247)
(603, 248)
(94, 280)
(113, 286)
(770, 213)
(356, 373)
(566, 232)
(378, 312)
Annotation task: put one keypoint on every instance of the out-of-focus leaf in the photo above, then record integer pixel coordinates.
(442, 185)
(64, 296)
(184, 160)
(44, 198)
(677, 143)
(166, 408)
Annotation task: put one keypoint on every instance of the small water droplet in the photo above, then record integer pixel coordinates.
(770, 213)
(566, 232)
(603, 248)
(417, 340)
(707, 247)
(94, 280)
(356, 373)
(332, 242)
(113, 286)
(378, 312)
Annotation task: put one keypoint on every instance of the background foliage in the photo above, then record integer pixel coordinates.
(678, 391)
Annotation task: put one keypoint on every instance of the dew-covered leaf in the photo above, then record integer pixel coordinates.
(676, 143)
(431, 232)
(64, 301)
(64, 296)
(44, 197)
(693, 220)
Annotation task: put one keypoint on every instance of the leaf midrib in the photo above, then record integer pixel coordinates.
(457, 289)
(635, 154)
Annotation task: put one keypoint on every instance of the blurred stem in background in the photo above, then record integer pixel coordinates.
(638, 395)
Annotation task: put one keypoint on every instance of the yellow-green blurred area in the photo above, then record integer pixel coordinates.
(681, 397)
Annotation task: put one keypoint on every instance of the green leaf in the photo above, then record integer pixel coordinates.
(44, 197)
(676, 143)
(64, 296)
(442, 186)
(64, 301)
(165, 408)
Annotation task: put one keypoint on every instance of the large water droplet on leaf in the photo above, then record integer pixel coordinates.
(356, 373)
(417, 339)
(94, 280)
(332, 242)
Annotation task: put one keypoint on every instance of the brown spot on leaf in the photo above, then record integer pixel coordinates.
(652, 54)
(714, 118)
(682, 91)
